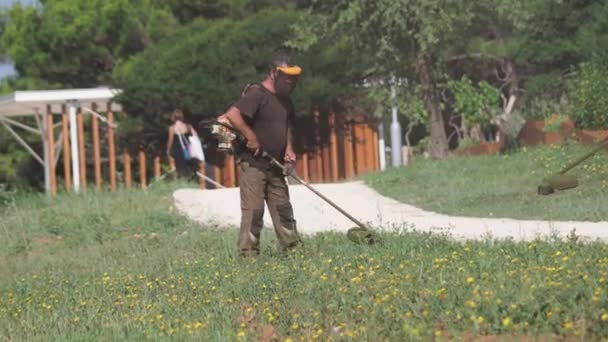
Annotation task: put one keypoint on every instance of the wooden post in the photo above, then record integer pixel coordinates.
(96, 149)
(375, 147)
(202, 171)
(231, 171)
(359, 148)
(157, 168)
(111, 148)
(312, 165)
(237, 180)
(126, 159)
(299, 165)
(217, 174)
(364, 148)
(340, 142)
(305, 174)
(142, 169)
(349, 167)
(67, 159)
(81, 149)
(319, 163)
(326, 163)
(51, 145)
(317, 148)
(333, 146)
(369, 148)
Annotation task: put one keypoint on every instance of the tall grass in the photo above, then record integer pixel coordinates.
(126, 266)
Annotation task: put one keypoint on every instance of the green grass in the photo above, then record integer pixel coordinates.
(126, 267)
(502, 185)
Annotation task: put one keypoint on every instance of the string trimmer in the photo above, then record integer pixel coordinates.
(226, 134)
(360, 234)
(562, 181)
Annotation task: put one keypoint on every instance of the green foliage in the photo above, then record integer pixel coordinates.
(546, 94)
(548, 38)
(554, 123)
(15, 161)
(477, 105)
(203, 67)
(187, 11)
(406, 38)
(555, 32)
(77, 43)
(589, 96)
(393, 32)
(408, 100)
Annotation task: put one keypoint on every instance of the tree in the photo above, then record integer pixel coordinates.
(187, 11)
(203, 66)
(408, 102)
(533, 45)
(404, 36)
(75, 43)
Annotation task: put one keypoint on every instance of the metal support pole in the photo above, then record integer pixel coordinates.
(74, 145)
(395, 129)
(45, 147)
(381, 145)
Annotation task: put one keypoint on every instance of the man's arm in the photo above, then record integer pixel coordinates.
(233, 115)
(289, 139)
(290, 155)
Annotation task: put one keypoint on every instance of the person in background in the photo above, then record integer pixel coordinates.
(177, 145)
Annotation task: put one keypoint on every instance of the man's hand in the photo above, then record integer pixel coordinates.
(224, 119)
(253, 145)
(290, 156)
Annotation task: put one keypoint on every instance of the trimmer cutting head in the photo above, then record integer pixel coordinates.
(557, 182)
(361, 236)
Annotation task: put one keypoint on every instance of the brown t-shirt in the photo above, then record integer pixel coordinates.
(268, 116)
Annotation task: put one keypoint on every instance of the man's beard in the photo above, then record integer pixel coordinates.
(283, 88)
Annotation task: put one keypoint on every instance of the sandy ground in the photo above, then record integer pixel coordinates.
(221, 207)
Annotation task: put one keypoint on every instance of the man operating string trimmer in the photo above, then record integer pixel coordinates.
(263, 115)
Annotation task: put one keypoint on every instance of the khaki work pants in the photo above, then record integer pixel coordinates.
(259, 186)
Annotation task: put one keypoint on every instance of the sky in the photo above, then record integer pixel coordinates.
(6, 3)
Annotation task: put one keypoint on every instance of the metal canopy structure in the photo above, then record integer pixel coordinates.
(42, 105)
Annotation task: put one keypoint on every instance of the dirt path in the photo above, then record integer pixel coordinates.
(313, 215)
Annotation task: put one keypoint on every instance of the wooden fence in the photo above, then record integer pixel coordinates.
(329, 148)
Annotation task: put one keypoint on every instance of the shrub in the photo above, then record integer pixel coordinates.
(477, 105)
(588, 89)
